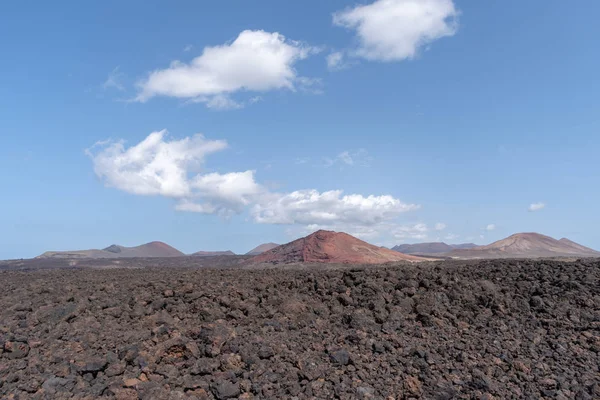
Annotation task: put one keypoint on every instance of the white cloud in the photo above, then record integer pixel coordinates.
(256, 61)
(358, 157)
(154, 166)
(335, 60)
(403, 232)
(490, 227)
(187, 48)
(346, 158)
(386, 233)
(174, 168)
(312, 207)
(440, 226)
(451, 236)
(393, 30)
(114, 80)
(223, 194)
(536, 206)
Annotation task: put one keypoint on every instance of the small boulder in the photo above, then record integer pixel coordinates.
(341, 357)
(265, 352)
(224, 389)
(16, 350)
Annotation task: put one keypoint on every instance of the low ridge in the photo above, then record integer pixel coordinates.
(331, 247)
(212, 253)
(152, 249)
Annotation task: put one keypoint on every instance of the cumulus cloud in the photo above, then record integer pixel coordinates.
(174, 168)
(256, 61)
(536, 206)
(440, 226)
(223, 193)
(490, 227)
(312, 207)
(394, 30)
(154, 166)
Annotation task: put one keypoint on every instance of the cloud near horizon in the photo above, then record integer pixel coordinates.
(308, 207)
(174, 168)
(395, 30)
(386, 233)
(256, 61)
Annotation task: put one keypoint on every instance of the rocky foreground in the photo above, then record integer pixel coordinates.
(475, 330)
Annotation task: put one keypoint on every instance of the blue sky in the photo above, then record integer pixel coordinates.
(441, 121)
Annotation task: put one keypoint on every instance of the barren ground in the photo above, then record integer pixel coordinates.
(475, 330)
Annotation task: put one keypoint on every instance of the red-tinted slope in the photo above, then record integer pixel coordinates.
(331, 247)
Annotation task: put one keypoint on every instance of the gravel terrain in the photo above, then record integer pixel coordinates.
(468, 330)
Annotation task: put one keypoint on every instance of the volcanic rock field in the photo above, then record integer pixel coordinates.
(497, 329)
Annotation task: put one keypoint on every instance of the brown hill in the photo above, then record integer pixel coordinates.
(527, 245)
(152, 249)
(431, 248)
(261, 249)
(577, 246)
(331, 247)
(212, 253)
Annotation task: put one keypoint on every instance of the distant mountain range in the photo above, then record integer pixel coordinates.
(519, 245)
(148, 250)
(328, 246)
(431, 248)
(331, 247)
(152, 249)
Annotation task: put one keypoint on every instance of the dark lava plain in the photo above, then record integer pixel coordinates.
(496, 329)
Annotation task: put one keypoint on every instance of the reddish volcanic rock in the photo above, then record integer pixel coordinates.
(331, 247)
